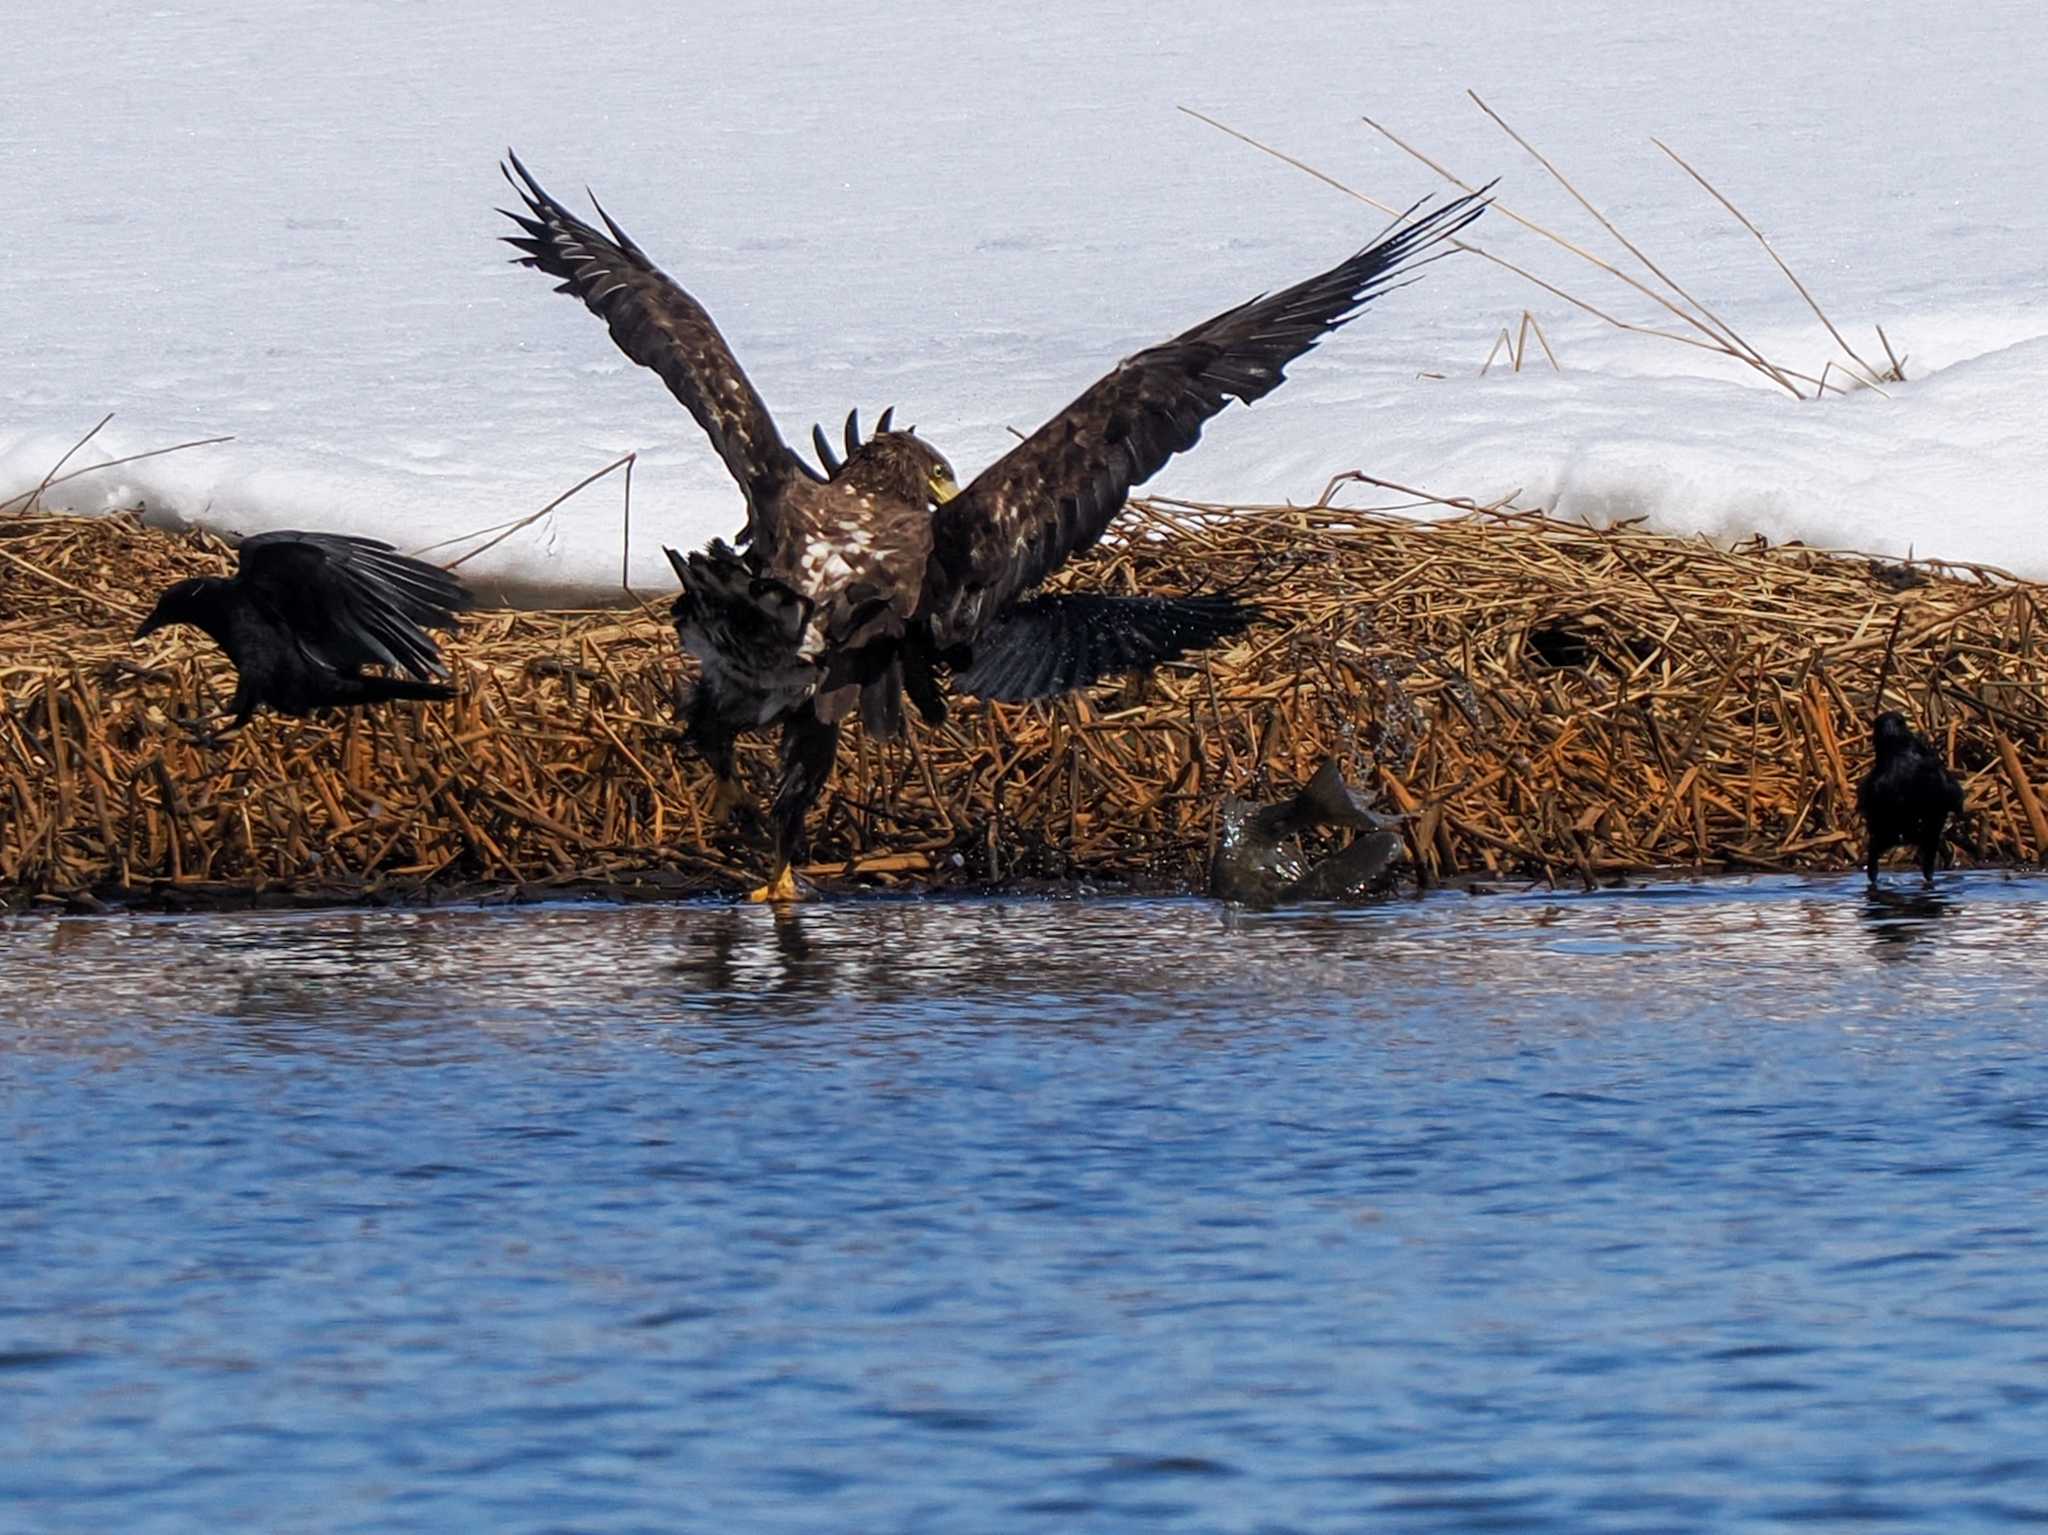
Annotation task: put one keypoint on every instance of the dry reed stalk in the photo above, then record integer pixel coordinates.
(1515, 344)
(2023, 791)
(30, 500)
(1546, 700)
(1708, 331)
(497, 533)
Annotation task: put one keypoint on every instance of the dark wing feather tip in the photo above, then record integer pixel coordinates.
(353, 601)
(824, 446)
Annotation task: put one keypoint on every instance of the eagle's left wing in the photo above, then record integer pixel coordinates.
(661, 327)
(1062, 642)
(1056, 492)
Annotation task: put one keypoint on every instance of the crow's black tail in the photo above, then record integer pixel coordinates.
(1060, 644)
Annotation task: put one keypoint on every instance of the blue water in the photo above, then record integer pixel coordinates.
(1696, 1207)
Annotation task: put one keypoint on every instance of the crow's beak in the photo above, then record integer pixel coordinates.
(150, 625)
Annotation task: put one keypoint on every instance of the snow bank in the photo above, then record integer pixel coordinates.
(277, 223)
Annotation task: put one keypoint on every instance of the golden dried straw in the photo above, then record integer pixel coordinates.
(1547, 701)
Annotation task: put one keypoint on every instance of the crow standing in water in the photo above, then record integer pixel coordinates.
(1907, 796)
(304, 613)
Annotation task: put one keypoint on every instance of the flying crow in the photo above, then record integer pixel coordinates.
(304, 613)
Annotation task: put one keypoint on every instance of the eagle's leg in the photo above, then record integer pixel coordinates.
(808, 747)
(728, 795)
(712, 737)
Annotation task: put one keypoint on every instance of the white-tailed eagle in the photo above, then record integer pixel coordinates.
(888, 577)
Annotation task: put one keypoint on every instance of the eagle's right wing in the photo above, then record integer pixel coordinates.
(661, 327)
(1055, 493)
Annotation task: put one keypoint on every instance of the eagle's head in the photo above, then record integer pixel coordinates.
(901, 466)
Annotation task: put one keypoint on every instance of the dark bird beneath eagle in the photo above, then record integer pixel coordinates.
(887, 578)
(1907, 796)
(304, 613)
(1259, 860)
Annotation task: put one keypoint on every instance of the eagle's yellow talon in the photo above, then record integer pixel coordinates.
(779, 889)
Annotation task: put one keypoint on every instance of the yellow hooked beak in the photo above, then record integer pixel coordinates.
(942, 486)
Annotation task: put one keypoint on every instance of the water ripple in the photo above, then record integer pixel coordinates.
(1692, 1206)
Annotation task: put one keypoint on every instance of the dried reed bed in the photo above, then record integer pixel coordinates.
(1546, 701)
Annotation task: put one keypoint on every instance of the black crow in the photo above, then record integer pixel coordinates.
(305, 612)
(1907, 795)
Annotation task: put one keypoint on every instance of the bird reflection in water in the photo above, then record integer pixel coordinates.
(1902, 921)
(725, 952)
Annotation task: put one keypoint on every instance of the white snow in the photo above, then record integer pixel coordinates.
(274, 221)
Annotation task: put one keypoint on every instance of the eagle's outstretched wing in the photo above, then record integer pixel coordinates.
(1066, 641)
(1054, 493)
(661, 327)
(353, 602)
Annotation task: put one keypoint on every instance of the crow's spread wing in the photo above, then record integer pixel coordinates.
(1064, 642)
(351, 601)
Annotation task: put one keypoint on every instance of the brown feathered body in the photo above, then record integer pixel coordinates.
(830, 584)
